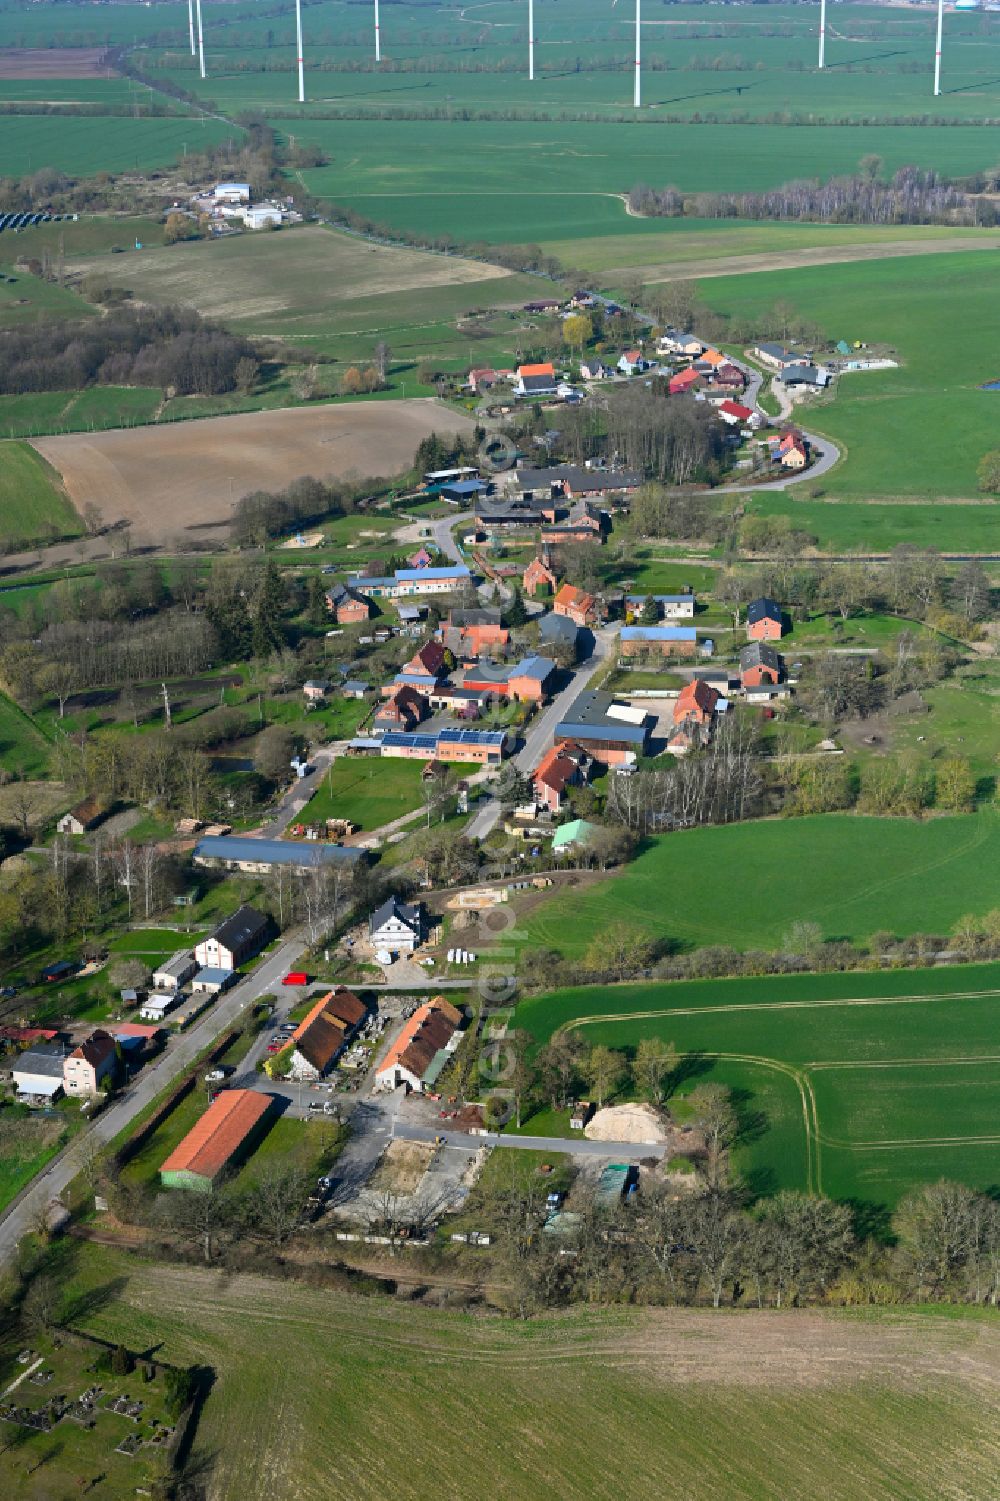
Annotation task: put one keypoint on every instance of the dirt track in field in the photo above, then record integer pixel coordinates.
(181, 480)
(53, 62)
(790, 260)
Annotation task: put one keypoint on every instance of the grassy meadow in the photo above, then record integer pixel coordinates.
(33, 506)
(104, 143)
(727, 1407)
(745, 884)
(860, 1086)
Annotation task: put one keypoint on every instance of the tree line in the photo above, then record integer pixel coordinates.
(913, 195)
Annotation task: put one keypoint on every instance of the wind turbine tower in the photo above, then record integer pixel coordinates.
(378, 37)
(201, 39)
(937, 49)
(531, 39)
(194, 49)
(637, 100)
(298, 51)
(822, 33)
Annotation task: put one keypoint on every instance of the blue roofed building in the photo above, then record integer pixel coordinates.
(258, 856)
(612, 732)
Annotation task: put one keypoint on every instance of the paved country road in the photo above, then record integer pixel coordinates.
(21, 1216)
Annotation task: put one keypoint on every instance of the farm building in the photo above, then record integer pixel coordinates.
(486, 747)
(224, 1135)
(324, 1032)
(212, 980)
(776, 356)
(523, 682)
(535, 380)
(175, 971)
(406, 582)
(231, 192)
(420, 1052)
(611, 732)
(237, 938)
(84, 817)
(667, 640)
(805, 375)
(258, 856)
(155, 1007)
(396, 926)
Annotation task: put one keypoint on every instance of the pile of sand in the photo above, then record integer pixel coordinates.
(641, 1123)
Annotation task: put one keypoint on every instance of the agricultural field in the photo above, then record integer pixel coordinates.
(171, 479)
(745, 884)
(33, 506)
(368, 789)
(314, 282)
(469, 177)
(657, 250)
(95, 143)
(916, 433)
(877, 1407)
(860, 1086)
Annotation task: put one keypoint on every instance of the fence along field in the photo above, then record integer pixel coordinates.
(725, 1407)
(859, 1085)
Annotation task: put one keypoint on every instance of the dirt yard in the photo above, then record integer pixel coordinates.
(402, 1169)
(790, 260)
(180, 481)
(53, 62)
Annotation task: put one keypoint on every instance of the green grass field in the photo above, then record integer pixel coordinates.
(28, 1142)
(744, 884)
(23, 748)
(33, 506)
(723, 1407)
(29, 299)
(95, 143)
(917, 432)
(860, 1086)
(370, 790)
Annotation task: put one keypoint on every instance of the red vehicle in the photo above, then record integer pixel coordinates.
(296, 977)
(275, 1047)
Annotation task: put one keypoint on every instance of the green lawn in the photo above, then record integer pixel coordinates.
(915, 433)
(33, 505)
(745, 884)
(371, 790)
(860, 1086)
(153, 943)
(727, 1406)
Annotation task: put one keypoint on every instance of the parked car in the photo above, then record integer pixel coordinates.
(296, 977)
(275, 1047)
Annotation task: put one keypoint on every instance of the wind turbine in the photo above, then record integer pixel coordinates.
(822, 33)
(637, 100)
(201, 39)
(298, 51)
(531, 39)
(191, 26)
(937, 49)
(378, 43)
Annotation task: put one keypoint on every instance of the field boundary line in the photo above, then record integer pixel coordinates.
(741, 1006)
